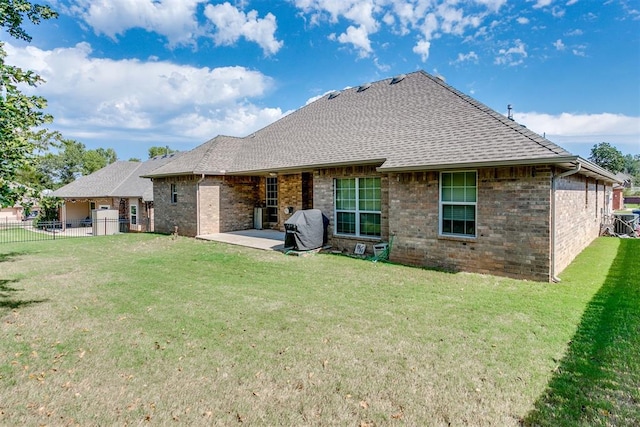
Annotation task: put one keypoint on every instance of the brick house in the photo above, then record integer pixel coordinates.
(116, 186)
(458, 185)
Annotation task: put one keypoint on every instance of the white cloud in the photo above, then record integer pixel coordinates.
(231, 24)
(426, 19)
(571, 2)
(174, 19)
(466, 57)
(242, 120)
(559, 45)
(576, 32)
(584, 130)
(177, 21)
(358, 37)
(88, 94)
(522, 20)
(542, 3)
(422, 49)
(513, 56)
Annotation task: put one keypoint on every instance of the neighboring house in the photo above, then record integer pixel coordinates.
(618, 190)
(116, 186)
(11, 214)
(19, 211)
(458, 185)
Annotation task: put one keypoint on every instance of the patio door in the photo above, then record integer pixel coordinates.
(272, 199)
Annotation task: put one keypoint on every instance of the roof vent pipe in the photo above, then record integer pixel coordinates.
(509, 112)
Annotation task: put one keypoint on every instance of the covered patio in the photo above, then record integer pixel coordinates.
(270, 240)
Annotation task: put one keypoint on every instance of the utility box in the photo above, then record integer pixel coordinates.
(258, 218)
(380, 248)
(105, 222)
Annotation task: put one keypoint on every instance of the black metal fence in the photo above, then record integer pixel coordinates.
(34, 230)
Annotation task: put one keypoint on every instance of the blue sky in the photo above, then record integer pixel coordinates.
(130, 74)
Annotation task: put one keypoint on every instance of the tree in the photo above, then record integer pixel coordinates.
(607, 156)
(134, 159)
(97, 159)
(71, 161)
(160, 151)
(21, 116)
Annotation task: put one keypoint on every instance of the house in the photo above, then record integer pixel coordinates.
(457, 185)
(116, 186)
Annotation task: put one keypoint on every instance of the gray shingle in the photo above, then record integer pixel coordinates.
(119, 179)
(418, 123)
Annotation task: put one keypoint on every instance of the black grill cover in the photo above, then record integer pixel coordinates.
(306, 230)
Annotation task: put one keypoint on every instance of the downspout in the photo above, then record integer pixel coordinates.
(198, 204)
(554, 181)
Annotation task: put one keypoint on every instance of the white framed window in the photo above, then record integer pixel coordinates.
(174, 194)
(458, 198)
(272, 199)
(357, 206)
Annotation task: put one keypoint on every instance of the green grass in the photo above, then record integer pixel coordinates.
(598, 381)
(134, 328)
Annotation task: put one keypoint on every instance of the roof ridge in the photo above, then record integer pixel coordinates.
(512, 124)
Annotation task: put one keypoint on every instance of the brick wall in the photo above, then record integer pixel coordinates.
(580, 204)
(323, 200)
(225, 204)
(513, 221)
(182, 214)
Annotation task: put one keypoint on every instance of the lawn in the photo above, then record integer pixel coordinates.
(140, 328)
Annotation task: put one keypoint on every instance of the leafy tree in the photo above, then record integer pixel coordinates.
(160, 151)
(608, 157)
(20, 115)
(97, 159)
(71, 161)
(134, 159)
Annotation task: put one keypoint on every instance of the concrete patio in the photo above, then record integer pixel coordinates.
(270, 240)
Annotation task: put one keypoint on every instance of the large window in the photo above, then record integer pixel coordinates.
(357, 204)
(458, 194)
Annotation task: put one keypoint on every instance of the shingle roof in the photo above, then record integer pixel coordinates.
(119, 179)
(417, 123)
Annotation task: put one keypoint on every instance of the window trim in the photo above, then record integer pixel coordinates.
(441, 204)
(357, 211)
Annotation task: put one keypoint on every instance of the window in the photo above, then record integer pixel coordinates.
(174, 194)
(272, 199)
(458, 194)
(133, 212)
(357, 206)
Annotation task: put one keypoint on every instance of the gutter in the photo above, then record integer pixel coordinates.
(554, 182)
(198, 204)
